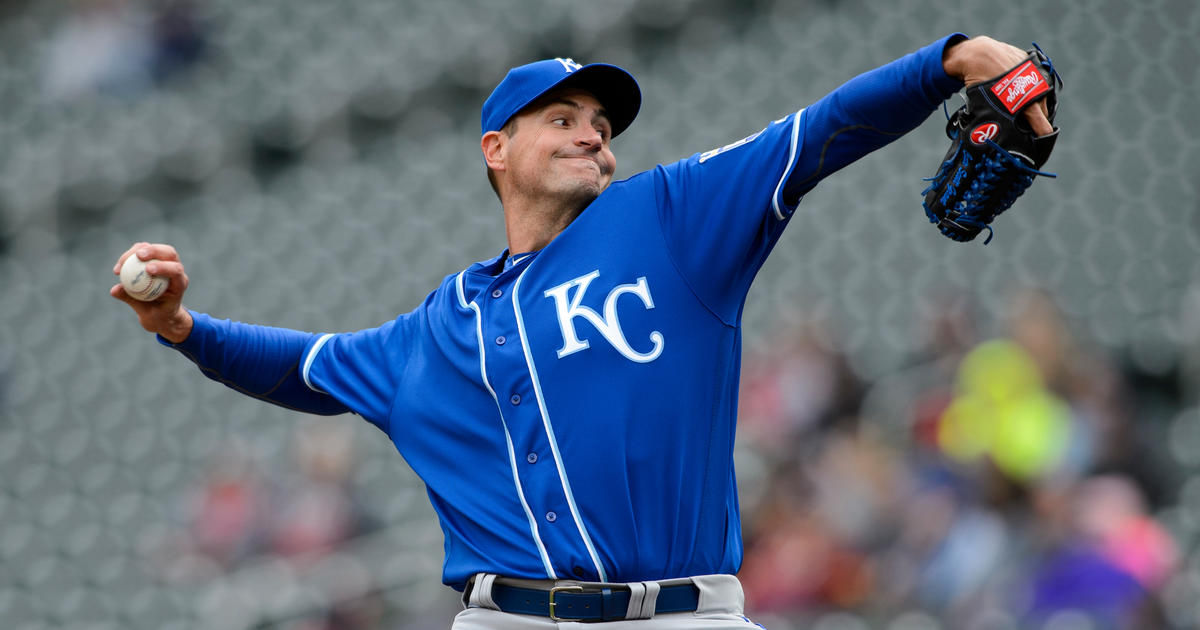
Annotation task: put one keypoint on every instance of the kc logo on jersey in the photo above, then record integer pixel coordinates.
(569, 306)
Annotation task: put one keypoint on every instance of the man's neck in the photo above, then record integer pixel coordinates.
(530, 226)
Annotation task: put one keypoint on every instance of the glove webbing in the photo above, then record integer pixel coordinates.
(999, 173)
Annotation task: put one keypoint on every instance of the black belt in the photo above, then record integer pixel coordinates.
(575, 603)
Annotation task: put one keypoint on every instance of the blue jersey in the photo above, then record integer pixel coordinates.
(572, 410)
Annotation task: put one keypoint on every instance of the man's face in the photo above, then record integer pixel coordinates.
(560, 148)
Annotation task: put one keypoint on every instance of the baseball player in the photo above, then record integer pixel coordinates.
(570, 404)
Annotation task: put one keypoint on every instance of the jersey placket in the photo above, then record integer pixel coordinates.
(514, 465)
(562, 494)
(537, 464)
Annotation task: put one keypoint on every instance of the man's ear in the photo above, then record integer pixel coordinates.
(493, 144)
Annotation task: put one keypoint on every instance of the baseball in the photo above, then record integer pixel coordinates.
(139, 284)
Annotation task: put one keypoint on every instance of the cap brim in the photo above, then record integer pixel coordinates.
(616, 90)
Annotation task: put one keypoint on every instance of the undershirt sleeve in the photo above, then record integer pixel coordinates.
(262, 362)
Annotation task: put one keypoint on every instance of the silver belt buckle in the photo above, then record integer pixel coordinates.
(553, 592)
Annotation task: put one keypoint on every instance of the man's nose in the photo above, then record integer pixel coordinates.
(589, 137)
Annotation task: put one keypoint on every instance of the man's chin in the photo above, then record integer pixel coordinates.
(585, 196)
(592, 184)
(585, 193)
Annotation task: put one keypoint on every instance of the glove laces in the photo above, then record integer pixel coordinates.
(1002, 178)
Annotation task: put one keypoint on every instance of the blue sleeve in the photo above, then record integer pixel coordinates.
(259, 361)
(723, 211)
(365, 369)
(720, 214)
(868, 112)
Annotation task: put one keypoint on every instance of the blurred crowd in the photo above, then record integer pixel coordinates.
(122, 47)
(240, 510)
(993, 483)
(248, 508)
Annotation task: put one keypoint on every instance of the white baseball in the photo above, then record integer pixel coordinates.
(139, 284)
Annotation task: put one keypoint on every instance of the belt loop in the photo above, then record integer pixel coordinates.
(651, 599)
(637, 592)
(643, 597)
(481, 594)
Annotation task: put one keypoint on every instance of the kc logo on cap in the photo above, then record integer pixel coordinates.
(568, 64)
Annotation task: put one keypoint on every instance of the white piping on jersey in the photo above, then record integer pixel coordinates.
(512, 456)
(790, 164)
(541, 401)
(308, 361)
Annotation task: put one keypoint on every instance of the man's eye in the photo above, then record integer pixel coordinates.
(561, 122)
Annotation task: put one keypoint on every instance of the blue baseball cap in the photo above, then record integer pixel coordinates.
(615, 88)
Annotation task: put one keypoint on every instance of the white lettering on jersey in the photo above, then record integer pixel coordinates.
(732, 145)
(569, 307)
(568, 64)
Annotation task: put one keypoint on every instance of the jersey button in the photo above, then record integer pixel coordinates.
(500, 340)
(531, 458)
(497, 293)
(516, 399)
(551, 516)
(578, 571)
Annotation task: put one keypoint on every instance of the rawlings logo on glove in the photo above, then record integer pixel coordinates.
(994, 153)
(1020, 86)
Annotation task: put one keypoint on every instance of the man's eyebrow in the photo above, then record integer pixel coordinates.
(576, 105)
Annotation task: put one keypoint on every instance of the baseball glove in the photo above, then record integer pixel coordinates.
(994, 153)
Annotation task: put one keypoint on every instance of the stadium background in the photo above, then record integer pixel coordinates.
(316, 164)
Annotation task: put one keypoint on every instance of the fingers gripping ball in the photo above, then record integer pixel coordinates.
(994, 154)
(138, 283)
